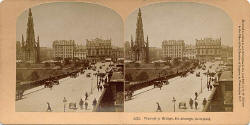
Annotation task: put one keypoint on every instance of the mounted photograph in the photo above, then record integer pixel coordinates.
(69, 58)
(178, 58)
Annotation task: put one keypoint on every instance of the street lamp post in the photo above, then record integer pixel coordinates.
(97, 77)
(91, 89)
(174, 100)
(64, 101)
(201, 84)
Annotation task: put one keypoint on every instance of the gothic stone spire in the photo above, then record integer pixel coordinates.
(147, 51)
(139, 39)
(23, 43)
(30, 37)
(38, 50)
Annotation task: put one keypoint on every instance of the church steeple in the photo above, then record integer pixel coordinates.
(30, 34)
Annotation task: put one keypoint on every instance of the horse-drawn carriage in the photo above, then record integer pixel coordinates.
(82, 71)
(55, 82)
(198, 74)
(48, 84)
(158, 84)
(73, 75)
(19, 94)
(182, 105)
(184, 74)
(165, 82)
(128, 95)
(88, 75)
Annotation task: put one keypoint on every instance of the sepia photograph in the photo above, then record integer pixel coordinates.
(124, 62)
(178, 58)
(68, 59)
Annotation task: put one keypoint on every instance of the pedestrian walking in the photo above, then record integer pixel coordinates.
(208, 87)
(196, 104)
(98, 87)
(158, 107)
(81, 104)
(204, 102)
(49, 108)
(211, 87)
(191, 103)
(86, 96)
(101, 87)
(94, 103)
(86, 105)
(196, 95)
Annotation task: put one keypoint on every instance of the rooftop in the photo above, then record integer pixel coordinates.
(117, 77)
(226, 76)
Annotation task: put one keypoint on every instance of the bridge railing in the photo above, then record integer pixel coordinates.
(207, 107)
(143, 84)
(31, 84)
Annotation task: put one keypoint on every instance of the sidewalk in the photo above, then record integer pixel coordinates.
(95, 95)
(201, 95)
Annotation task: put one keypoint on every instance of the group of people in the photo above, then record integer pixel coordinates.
(99, 87)
(102, 80)
(85, 103)
(209, 86)
(191, 102)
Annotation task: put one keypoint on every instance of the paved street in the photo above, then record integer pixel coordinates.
(182, 88)
(73, 89)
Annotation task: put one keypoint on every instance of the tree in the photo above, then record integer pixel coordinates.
(157, 64)
(47, 64)
(19, 76)
(167, 63)
(142, 76)
(27, 65)
(58, 63)
(128, 77)
(58, 58)
(67, 61)
(34, 76)
(137, 65)
(176, 61)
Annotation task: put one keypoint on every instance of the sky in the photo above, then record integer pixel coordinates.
(72, 21)
(181, 21)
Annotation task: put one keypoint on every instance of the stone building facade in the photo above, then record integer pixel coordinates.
(227, 54)
(117, 52)
(208, 49)
(80, 52)
(173, 48)
(127, 50)
(190, 52)
(64, 48)
(98, 49)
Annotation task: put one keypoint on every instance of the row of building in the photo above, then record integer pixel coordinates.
(95, 50)
(29, 50)
(204, 50)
